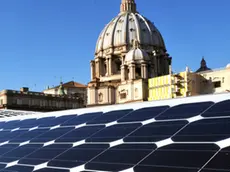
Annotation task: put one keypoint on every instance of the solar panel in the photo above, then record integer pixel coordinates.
(191, 134)
(11, 113)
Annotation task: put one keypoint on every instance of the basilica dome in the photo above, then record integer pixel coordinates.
(118, 36)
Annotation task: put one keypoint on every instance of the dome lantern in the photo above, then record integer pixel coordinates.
(128, 6)
(136, 55)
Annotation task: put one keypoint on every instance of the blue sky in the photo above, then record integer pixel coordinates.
(44, 40)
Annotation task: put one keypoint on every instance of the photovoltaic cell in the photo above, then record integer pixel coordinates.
(8, 135)
(205, 170)
(142, 168)
(65, 163)
(52, 170)
(9, 124)
(29, 161)
(220, 161)
(79, 155)
(52, 134)
(6, 148)
(110, 117)
(113, 133)
(19, 168)
(156, 131)
(80, 134)
(21, 152)
(219, 109)
(185, 111)
(82, 119)
(143, 114)
(120, 157)
(21, 124)
(57, 121)
(188, 156)
(207, 130)
(44, 154)
(28, 135)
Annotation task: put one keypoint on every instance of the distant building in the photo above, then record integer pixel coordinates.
(70, 95)
(184, 84)
(215, 80)
(70, 89)
(173, 86)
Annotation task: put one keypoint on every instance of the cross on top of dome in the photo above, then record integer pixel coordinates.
(128, 6)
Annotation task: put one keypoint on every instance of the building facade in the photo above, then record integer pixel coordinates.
(70, 95)
(184, 84)
(71, 88)
(129, 51)
(215, 81)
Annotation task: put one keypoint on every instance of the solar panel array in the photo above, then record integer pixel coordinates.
(191, 137)
(11, 113)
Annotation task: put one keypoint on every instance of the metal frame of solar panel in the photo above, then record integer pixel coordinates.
(189, 134)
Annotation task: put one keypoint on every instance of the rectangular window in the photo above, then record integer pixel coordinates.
(1, 102)
(123, 95)
(217, 84)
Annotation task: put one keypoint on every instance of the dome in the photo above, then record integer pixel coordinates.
(129, 25)
(228, 66)
(136, 55)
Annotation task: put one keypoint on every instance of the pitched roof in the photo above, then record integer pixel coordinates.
(71, 84)
(74, 84)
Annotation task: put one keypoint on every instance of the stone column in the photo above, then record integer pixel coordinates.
(109, 66)
(132, 71)
(97, 68)
(92, 66)
(123, 59)
(123, 72)
(144, 71)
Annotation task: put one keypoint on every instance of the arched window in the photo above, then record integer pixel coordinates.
(128, 74)
(117, 63)
(138, 72)
(103, 67)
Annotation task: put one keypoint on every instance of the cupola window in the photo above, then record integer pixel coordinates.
(138, 72)
(117, 66)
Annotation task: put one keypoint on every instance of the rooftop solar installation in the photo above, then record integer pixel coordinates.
(180, 135)
(10, 113)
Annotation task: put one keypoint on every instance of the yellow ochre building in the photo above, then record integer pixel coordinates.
(184, 84)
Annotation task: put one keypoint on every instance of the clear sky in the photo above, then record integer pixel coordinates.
(44, 40)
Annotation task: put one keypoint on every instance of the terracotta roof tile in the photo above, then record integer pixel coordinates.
(71, 84)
